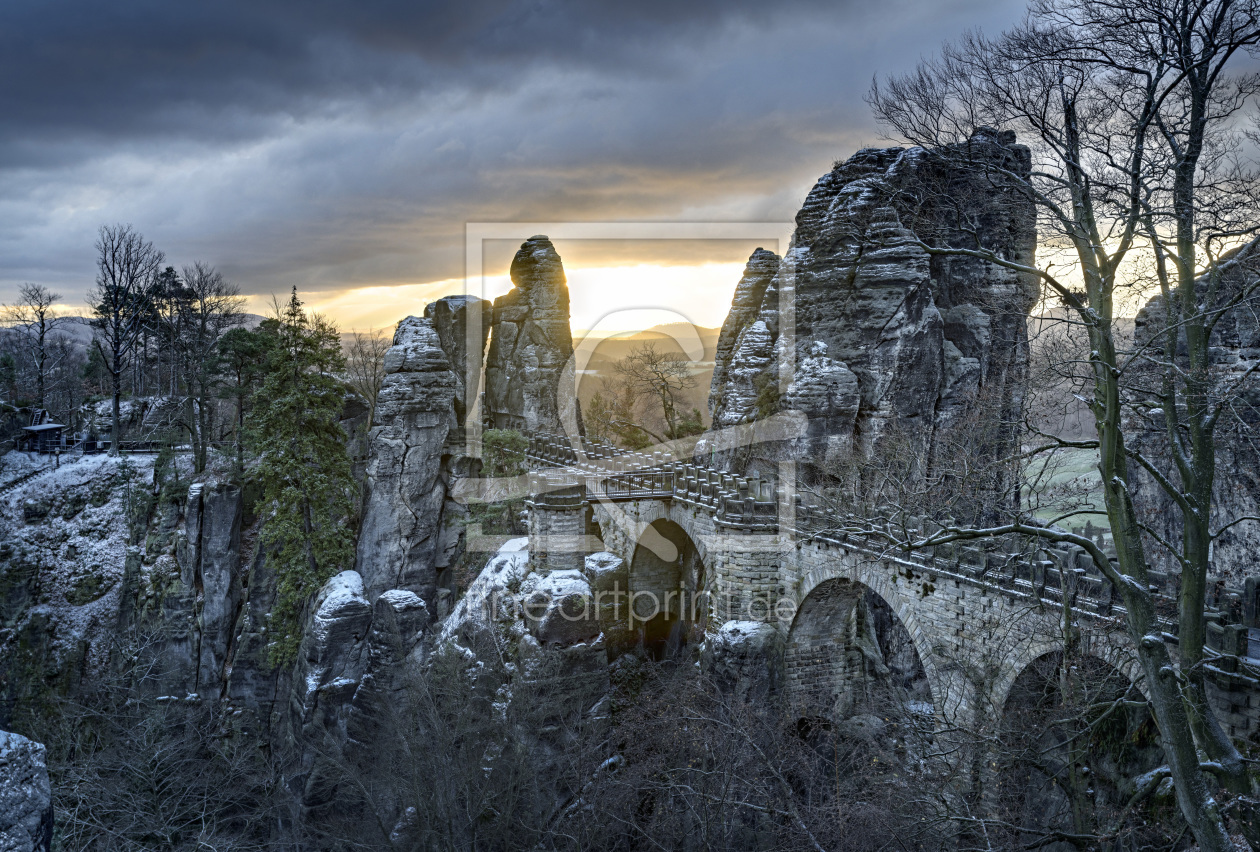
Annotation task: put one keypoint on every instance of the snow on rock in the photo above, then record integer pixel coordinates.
(559, 608)
(401, 598)
(745, 658)
(742, 632)
(542, 618)
(26, 812)
(64, 555)
(609, 576)
(333, 654)
(531, 644)
(603, 569)
(14, 465)
(333, 644)
(399, 620)
(492, 594)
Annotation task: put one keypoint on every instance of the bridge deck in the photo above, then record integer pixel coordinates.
(1014, 564)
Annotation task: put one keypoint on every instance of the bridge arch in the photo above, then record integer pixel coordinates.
(1063, 745)
(1112, 648)
(879, 634)
(667, 582)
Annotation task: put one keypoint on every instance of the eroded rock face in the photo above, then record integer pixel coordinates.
(462, 324)
(1235, 349)
(883, 334)
(26, 811)
(399, 620)
(331, 663)
(212, 562)
(745, 659)
(745, 308)
(68, 575)
(411, 529)
(534, 642)
(402, 515)
(560, 609)
(529, 369)
(253, 683)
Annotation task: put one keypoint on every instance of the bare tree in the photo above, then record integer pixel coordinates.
(610, 416)
(127, 269)
(131, 772)
(35, 319)
(663, 378)
(210, 307)
(365, 365)
(1131, 111)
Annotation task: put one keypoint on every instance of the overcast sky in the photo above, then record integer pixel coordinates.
(343, 146)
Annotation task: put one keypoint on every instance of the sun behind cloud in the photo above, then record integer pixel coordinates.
(605, 299)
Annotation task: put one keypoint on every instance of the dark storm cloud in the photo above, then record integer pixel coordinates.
(83, 71)
(334, 144)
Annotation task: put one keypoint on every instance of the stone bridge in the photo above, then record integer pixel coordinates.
(773, 584)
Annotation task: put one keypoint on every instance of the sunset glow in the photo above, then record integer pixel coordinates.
(606, 299)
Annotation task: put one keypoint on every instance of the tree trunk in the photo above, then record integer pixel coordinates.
(42, 355)
(115, 439)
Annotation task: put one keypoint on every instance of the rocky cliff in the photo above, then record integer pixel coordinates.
(402, 513)
(410, 530)
(70, 565)
(862, 329)
(529, 369)
(1234, 355)
(130, 575)
(26, 812)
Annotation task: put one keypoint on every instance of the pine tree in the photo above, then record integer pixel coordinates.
(240, 361)
(303, 467)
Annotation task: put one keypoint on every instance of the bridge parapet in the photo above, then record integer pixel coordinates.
(1058, 574)
(613, 474)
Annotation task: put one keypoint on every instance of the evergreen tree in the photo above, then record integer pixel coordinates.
(307, 488)
(240, 361)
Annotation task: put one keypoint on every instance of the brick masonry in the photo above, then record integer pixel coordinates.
(972, 638)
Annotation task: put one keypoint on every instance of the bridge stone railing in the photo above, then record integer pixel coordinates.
(617, 474)
(1061, 574)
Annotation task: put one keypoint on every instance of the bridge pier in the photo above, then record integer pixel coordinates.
(557, 524)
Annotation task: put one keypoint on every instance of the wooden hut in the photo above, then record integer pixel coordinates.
(44, 438)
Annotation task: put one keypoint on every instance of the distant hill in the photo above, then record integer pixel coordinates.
(596, 356)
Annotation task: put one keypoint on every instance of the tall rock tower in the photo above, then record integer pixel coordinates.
(881, 337)
(411, 528)
(529, 369)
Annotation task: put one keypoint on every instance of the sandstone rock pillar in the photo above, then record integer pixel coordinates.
(402, 515)
(529, 369)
